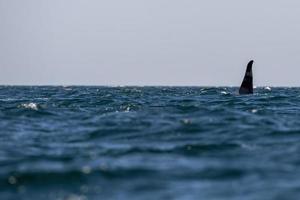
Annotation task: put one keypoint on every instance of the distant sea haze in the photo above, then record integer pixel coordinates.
(149, 143)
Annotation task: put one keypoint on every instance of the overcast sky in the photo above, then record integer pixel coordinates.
(149, 42)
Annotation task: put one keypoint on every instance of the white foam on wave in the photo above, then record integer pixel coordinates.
(68, 89)
(127, 109)
(254, 110)
(32, 106)
(9, 99)
(268, 88)
(223, 92)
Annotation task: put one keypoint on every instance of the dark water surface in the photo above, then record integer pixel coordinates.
(80, 143)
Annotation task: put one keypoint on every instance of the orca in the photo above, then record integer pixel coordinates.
(247, 84)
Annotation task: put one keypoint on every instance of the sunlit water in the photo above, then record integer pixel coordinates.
(84, 143)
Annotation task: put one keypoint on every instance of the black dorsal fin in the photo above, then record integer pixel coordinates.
(247, 84)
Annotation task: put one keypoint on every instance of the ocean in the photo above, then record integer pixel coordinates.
(146, 143)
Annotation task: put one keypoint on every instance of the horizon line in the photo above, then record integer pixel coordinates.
(129, 85)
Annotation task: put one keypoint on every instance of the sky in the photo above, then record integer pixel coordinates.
(149, 42)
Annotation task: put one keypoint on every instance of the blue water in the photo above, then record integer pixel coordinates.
(79, 143)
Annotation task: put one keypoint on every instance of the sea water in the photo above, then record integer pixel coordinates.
(80, 143)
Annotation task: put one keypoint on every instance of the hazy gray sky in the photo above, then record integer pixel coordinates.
(149, 42)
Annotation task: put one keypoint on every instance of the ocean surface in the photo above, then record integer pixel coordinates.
(136, 143)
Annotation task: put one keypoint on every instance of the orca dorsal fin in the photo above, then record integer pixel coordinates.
(247, 84)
